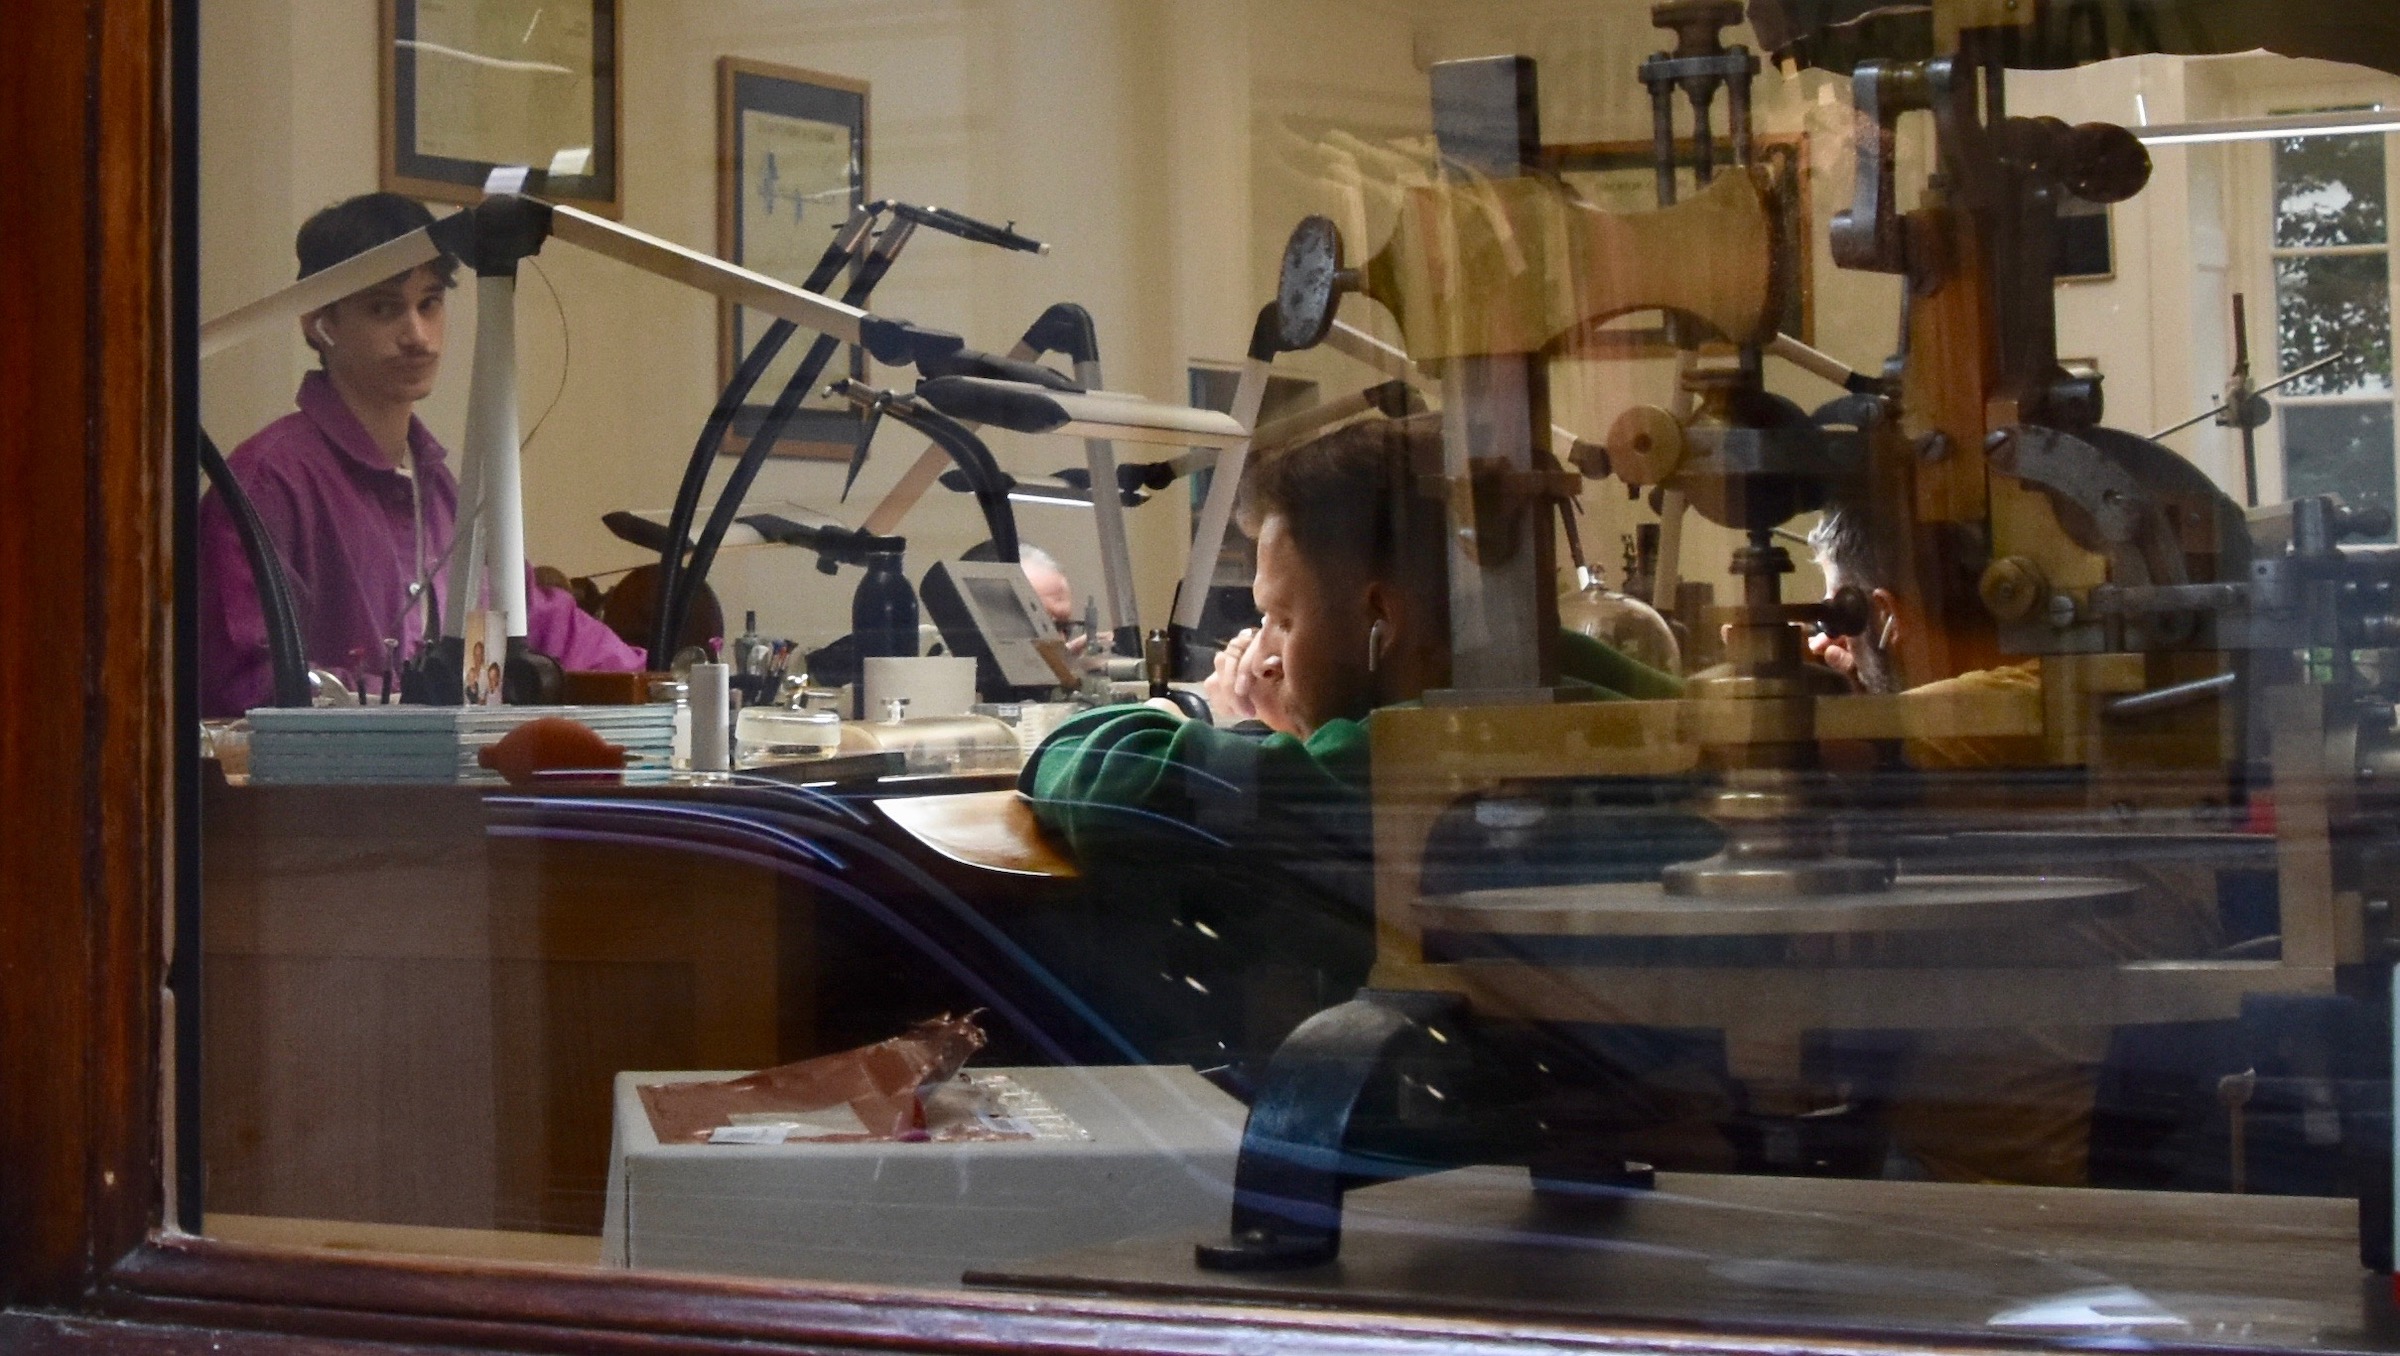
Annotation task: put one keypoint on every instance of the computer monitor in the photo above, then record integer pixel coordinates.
(988, 612)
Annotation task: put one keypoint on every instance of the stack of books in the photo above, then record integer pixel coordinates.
(325, 744)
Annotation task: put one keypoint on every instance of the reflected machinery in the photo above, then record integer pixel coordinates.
(2187, 678)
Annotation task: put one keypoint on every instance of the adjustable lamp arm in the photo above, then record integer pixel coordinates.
(963, 226)
(958, 442)
(1064, 328)
(321, 289)
(848, 242)
(493, 237)
(864, 278)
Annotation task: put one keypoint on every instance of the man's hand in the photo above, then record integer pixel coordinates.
(1833, 652)
(1223, 686)
(1247, 684)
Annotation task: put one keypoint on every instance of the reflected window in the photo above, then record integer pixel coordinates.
(2333, 289)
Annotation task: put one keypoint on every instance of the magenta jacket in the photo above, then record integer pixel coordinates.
(341, 520)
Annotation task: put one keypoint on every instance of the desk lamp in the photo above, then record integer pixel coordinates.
(679, 582)
(493, 237)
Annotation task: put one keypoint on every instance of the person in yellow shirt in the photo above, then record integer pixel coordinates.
(1993, 1104)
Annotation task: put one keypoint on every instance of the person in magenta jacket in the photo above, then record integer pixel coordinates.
(357, 496)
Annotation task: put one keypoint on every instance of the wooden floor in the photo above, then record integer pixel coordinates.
(1921, 1258)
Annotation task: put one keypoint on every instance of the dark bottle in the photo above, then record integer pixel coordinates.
(883, 616)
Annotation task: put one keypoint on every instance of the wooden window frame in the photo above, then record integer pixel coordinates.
(88, 834)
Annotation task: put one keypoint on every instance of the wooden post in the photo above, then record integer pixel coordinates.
(1495, 412)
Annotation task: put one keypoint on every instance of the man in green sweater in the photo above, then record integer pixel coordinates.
(1353, 609)
(1229, 870)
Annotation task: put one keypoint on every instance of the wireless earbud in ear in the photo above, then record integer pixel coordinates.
(317, 328)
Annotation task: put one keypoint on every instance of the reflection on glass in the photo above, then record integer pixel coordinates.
(2330, 301)
(1974, 852)
(1623, 621)
(2329, 191)
(2339, 449)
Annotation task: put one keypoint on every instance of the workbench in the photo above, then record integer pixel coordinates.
(1903, 1259)
(410, 1016)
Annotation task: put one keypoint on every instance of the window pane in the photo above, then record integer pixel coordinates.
(2329, 191)
(2324, 303)
(2339, 449)
(1781, 924)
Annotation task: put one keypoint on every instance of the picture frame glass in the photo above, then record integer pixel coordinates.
(472, 85)
(792, 165)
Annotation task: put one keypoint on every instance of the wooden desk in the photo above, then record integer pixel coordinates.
(409, 1021)
(991, 830)
(404, 1240)
(1731, 1252)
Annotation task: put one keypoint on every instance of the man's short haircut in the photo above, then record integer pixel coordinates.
(1351, 498)
(355, 225)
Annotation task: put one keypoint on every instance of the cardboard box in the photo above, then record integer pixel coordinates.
(1155, 1158)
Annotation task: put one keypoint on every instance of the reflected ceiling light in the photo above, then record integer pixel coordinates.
(1055, 495)
(2355, 123)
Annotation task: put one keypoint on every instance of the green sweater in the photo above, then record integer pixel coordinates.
(1115, 778)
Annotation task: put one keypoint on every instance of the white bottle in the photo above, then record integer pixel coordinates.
(711, 702)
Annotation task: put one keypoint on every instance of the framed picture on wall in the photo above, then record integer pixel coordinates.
(473, 85)
(2083, 249)
(791, 165)
(1620, 176)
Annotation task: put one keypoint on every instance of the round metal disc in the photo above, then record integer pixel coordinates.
(1644, 909)
(1304, 290)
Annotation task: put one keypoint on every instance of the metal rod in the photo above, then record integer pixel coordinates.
(2237, 400)
(1662, 139)
(1293, 427)
(1346, 338)
(1704, 151)
(923, 472)
(495, 554)
(707, 273)
(1737, 114)
(2249, 464)
(1108, 518)
(2278, 384)
(1351, 341)
(1813, 361)
(1216, 512)
(2170, 697)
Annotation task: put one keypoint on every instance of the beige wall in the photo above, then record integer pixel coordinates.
(1076, 118)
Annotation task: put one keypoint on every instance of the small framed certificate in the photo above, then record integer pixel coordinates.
(791, 166)
(473, 85)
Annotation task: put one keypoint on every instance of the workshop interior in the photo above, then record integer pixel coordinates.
(1661, 661)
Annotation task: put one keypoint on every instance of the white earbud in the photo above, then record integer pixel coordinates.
(317, 327)
(1374, 645)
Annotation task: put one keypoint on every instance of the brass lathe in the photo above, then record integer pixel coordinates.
(2198, 659)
